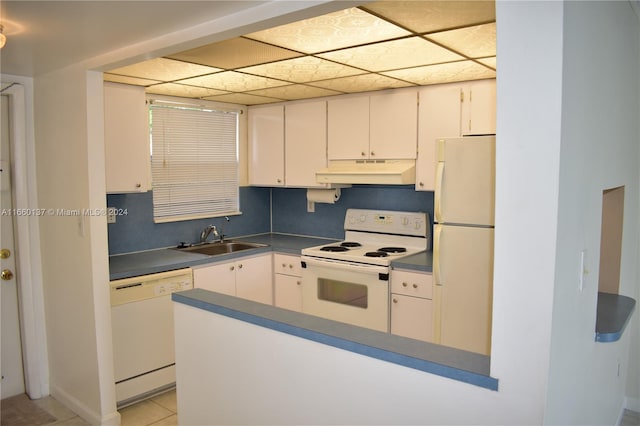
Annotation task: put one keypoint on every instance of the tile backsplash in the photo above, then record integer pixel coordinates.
(282, 210)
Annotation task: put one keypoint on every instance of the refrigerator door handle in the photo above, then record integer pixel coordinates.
(437, 235)
(438, 192)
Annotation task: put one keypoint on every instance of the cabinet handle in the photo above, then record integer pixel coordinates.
(240, 266)
(232, 268)
(415, 286)
(279, 180)
(421, 184)
(298, 282)
(290, 266)
(395, 300)
(284, 265)
(364, 154)
(404, 284)
(138, 185)
(373, 154)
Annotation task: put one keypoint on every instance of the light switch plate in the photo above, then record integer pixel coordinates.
(111, 215)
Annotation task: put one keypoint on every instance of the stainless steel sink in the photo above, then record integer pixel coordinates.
(213, 249)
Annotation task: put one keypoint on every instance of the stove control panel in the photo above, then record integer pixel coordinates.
(389, 222)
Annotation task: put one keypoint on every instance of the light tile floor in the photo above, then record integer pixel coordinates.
(161, 410)
(630, 418)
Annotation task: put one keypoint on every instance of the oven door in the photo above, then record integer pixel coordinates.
(352, 293)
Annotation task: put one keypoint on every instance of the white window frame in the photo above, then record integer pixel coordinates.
(195, 168)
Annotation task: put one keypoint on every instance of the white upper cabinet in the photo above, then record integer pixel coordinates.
(305, 143)
(451, 110)
(382, 126)
(126, 139)
(394, 125)
(479, 108)
(287, 144)
(266, 146)
(348, 128)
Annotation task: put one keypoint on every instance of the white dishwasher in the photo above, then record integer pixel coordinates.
(143, 333)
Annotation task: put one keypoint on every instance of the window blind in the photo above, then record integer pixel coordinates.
(194, 163)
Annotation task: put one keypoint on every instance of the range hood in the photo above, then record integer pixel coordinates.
(385, 172)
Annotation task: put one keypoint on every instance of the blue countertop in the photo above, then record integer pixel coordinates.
(435, 359)
(166, 259)
(613, 315)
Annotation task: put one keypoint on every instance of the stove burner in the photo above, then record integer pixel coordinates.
(393, 249)
(334, 248)
(376, 254)
(350, 244)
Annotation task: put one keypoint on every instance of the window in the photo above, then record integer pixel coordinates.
(194, 162)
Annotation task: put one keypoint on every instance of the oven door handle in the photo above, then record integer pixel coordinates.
(346, 266)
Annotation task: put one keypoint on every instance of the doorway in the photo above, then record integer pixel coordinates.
(11, 356)
(17, 131)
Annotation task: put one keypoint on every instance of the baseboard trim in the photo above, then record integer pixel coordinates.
(89, 415)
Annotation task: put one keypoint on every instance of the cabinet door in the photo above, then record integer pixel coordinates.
(305, 143)
(126, 138)
(220, 277)
(266, 146)
(411, 317)
(438, 117)
(479, 108)
(288, 292)
(348, 128)
(254, 279)
(394, 125)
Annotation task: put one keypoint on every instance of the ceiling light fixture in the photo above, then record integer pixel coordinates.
(3, 38)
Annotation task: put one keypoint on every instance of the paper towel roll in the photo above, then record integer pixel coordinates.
(329, 196)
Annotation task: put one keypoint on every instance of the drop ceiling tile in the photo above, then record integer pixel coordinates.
(490, 62)
(444, 73)
(428, 16)
(163, 69)
(361, 83)
(303, 70)
(232, 81)
(295, 91)
(345, 28)
(243, 99)
(235, 53)
(390, 55)
(475, 42)
(114, 78)
(173, 89)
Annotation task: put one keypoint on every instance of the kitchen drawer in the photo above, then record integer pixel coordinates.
(412, 284)
(287, 264)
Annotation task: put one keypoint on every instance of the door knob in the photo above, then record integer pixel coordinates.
(5, 254)
(6, 274)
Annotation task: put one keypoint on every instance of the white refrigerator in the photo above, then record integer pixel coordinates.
(463, 242)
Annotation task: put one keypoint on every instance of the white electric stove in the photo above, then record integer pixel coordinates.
(349, 281)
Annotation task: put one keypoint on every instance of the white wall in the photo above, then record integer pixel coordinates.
(600, 150)
(70, 168)
(556, 114)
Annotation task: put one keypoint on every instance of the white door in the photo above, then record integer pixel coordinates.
(463, 278)
(11, 356)
(465, 181)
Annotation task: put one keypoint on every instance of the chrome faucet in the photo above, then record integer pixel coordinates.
(226, 218)
(211, 229)
(208, 230)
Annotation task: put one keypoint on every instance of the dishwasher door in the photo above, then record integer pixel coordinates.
(143, 335)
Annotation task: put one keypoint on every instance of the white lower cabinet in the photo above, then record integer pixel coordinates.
(248, 278)
(412, 305)
(287, 280)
